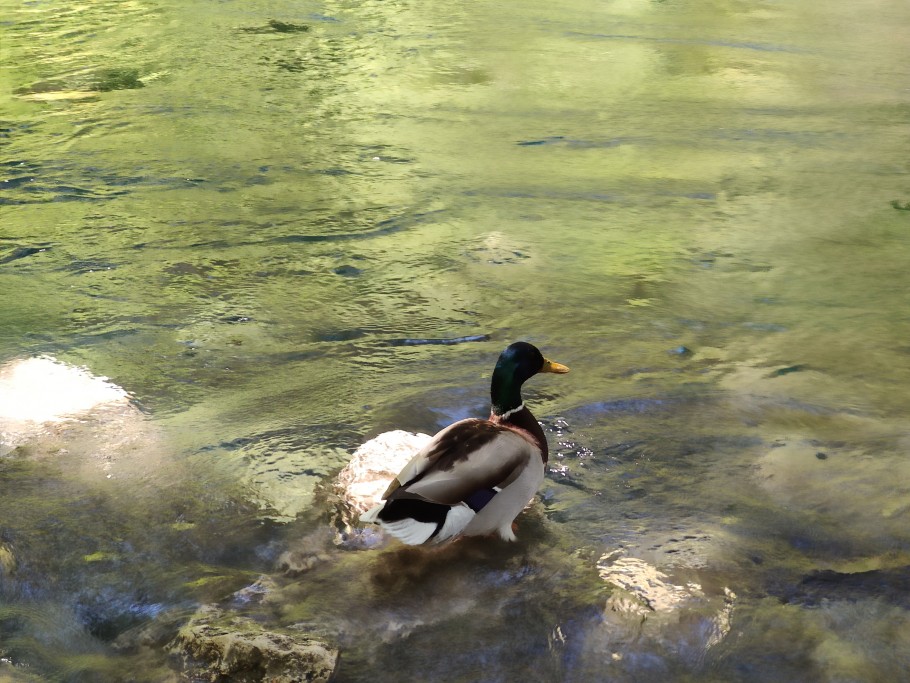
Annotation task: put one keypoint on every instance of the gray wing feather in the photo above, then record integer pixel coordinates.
(461, 459)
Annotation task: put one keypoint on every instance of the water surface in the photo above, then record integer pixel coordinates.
(247, 213)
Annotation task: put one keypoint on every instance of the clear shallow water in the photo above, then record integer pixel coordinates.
(242, 223)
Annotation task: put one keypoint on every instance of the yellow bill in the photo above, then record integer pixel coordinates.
(553, 366)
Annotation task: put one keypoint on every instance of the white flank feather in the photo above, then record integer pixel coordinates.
(409, 531)
(457, 519)
(497, 515)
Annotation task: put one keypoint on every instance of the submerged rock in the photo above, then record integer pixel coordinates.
(652, 623)
(648, 584)
(374, 464)
(367, 475)
(50, 409)
(217, 646)
(37, 393)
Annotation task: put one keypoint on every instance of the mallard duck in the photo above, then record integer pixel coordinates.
(474, 476)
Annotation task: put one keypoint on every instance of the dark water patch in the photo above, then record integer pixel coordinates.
(529, 608)
(707, 196)
(443, 341)
(117, 78)
(276, 26)
(20, 253)
(182, 268)
(15, 183)
(293, 439)
(33, 183)
(83, 85)
(341, 335)
(780, 372)
(622, 450)
(83, 337)
(561, 475)
(130, 180)
(431, 411)
(287, 27)
(211, 244)
(70, 192)
(386, 158)
(388, 226)
(83, 266)
(818, 587)
(61, 194)
(574, 143)
(337, 171)
(236, 319)
(19, 166)
(542, 141)
(625, 405)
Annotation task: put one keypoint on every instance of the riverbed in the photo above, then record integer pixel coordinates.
(284, 228)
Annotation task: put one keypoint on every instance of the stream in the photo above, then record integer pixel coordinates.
(287, 227)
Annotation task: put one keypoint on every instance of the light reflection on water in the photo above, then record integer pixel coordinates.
(691, 208)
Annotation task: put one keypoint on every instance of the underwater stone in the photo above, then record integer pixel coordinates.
(374, 464)
(361, 482)
(215, 646)
(644, 581)
(46, 390)
(39, 395)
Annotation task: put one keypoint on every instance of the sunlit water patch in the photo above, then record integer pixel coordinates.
(284, 229)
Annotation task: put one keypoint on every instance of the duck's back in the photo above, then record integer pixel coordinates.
(466, 457)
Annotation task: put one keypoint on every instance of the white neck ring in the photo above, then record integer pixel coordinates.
(509, 413)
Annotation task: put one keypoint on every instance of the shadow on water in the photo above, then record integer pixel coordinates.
(495, 606)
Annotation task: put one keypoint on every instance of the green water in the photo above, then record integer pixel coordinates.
(245, 212)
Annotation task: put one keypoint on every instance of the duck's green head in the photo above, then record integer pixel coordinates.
(518, 363)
